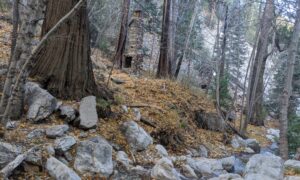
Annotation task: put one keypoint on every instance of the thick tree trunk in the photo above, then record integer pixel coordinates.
(259, 61)
(118, 58)
(287, 91)
(65, 67)
(163, 70)
(27, 66)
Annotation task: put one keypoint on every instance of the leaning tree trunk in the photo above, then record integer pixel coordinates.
(287, 91)
(118, 58)
(163, 70)
(187, 40)
(65, 67)
(30, 15)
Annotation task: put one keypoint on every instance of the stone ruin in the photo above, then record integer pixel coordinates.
(134, 50)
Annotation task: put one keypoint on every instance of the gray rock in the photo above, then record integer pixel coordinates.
(88, 113)
(162, 152)
(8, 153)
(94, 156)
(37, 133)
(137, 114)
(249, 150)
(64, 144)
(188, 172)
(253, 144)
(123, 158)
(11, 125)
(237, 142)
(50, 150)
(124, 108)
(135, 173)
(68, 113)
(205, 167)
(274, 132)
(35, 156)
(232, 116)
(60, 171)
(266, 167)
(40, 102)
(228, 177)
(164, 169)
(136, 136)
(203, 152)
(68, 156)
(57, 131)
(292, 178)
(210, 121)
(292, 164)
(228, 163)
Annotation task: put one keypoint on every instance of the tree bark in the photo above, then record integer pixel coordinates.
(29, 22)
(223, 46)
(65, 67)
(118, 58)
(163, 70)
(28, 64)
(187, 41)
(173, 29)
(259, 61)
(287, 91)
(14, 33)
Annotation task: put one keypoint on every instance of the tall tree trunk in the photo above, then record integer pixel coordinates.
(173, 29)
(30, 14)
(65, 66)
(163, 70)
(123, 34)
(187, 41)
(223, 46)
(287, 91)
(260, 60)
(14, 33)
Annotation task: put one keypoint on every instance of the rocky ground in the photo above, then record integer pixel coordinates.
(151, 131)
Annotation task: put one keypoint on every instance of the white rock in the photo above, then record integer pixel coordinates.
(60, 171)
(205, 166)
(228, 163)
(88, 113)
(136, 136)
(228, 177)
(188, 172)
(64, 144)
(123, 158)
(249, 150)
(57, 131)
(94, 156)
(292, 178)
(40, 102)
(274, 132)
(164, 169)
(292, 164)
(161, 150)
(266, 167)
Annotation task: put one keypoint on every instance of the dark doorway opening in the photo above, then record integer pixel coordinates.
(128, 62)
